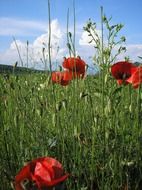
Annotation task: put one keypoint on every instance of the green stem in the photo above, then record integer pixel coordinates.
(74, 28)
(68, 32)
(103, 72)
(49, 37)
(18, 51)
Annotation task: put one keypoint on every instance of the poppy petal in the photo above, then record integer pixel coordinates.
(136, 78)
(62, 78)
(40, 173)
(122, 71)
(74, 64)
(23, 176)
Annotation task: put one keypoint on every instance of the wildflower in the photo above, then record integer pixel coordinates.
(136, 78)
(63, 78)
(76, 65)
(40, 174)
(122, 71)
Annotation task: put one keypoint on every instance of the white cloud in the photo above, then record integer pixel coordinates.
(35, 49)
(56, 35)
(58, 46)
(86, 39)
(133, 51)
(13, 26)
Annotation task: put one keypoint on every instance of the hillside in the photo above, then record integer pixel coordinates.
(17, 70)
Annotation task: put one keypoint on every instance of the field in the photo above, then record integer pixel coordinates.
(92, 126)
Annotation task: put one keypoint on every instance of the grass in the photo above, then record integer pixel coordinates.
(98, 142)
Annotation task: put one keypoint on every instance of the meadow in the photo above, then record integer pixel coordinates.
(92, 126)
(94, 129)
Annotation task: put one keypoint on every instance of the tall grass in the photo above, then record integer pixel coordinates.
(92, 126)
(72, 131)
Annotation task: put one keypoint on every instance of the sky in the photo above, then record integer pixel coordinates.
(27, 21)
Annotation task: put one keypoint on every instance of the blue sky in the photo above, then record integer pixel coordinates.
(28, 20)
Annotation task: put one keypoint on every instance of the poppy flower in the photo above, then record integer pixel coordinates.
(136, 78)
(122, 71)
(40, 174)
(62, 78)
(76, 65)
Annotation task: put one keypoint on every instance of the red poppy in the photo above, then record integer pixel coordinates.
(76, 65)
(136, 78)
(62, 78)
(122, 71)
(40, 174)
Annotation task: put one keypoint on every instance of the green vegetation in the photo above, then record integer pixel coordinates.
(17, 70)
(96, 135)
